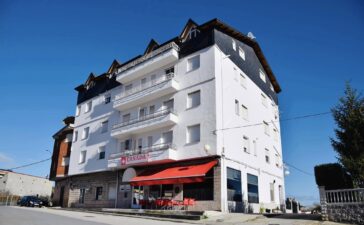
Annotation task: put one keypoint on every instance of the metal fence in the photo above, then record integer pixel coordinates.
(9, 200)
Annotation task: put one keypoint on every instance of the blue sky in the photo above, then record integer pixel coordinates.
(49, 47)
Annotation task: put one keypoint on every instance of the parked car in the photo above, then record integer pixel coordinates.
(30, 201)
(46, 202)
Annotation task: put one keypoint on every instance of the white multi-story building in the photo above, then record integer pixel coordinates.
(194, 117)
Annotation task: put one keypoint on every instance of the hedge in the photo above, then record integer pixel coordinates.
(332, 176)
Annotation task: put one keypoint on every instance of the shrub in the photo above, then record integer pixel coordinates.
(332, 176)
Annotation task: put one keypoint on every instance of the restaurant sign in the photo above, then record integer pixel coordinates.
(134, 159)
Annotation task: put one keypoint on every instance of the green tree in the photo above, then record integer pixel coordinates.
(349, 141)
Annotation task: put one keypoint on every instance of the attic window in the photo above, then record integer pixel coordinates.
(89, 85)
(193, 33)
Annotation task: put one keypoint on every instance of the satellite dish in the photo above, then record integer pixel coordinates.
(251, 35)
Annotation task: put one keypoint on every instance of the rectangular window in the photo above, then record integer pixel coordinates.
(151, 109)
(68, 138)
(234, 192)
(201, 190)
(277, 160)
(244, 112)
(85, 133)
(75, 136)
(153, 79)
(78, 110)
(98, 193)
(271, 87)
(65, 161)
(107, 98)
(241, 53)
(143, 83)
(266, 128)
(167, 137)
(150, 141)
(253, 192)
(236, 74)
(246, 146)
(194, 99)
(88, 106)
(168, 104)
(237, 107)
(271, 185)
(128, 89)
(275, 134)
(104, 126)
(142, 112)
(267, 157)
(242, 80)
(193, 134)
(262, 75)
(193, 63)
(102, 152)
(126, 118)
(126, 145)
(169, 72)
(140, 144)
(264, 100)
(82, 157)
(81, 198)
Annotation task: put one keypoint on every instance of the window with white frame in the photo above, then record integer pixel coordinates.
(153, 79)
(75, 136)
(234, 45)
(104, 126)
(167, 137)
(241, 53)
(85, 133)
(128, 89)
(78, 110)
(88, 106)
(244, 112)
(262, 75)
(267, 157)
(193, 134)
(107, 98)
(271, 87)
(82, 157)
(65, 161)
(194, 99)
(150, 141)
(101, 152)
(275, 134)
(242, 80)
(143, 83)
(246, 145)
(151, 109)
(266, 127)
(237, 107)
(193, 32)
(271, 188)
(264, 100)
(68, 138)
(126, 118)
(277, 160)
(193, 63)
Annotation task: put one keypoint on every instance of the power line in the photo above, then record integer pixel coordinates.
(298, 169)
(30, 164)
(282, 120)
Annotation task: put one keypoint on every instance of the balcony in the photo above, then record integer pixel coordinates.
(148, 155)
(161, 57)
(147, 92)
(153, 121)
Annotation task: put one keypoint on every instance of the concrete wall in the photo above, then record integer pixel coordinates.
(22, 184)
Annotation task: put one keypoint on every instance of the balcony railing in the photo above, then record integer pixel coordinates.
(143, 150)
(345, 196)
(148, 56)
(145, 87)
(147, 117)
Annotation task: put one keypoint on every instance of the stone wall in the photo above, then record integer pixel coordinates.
(352, 213)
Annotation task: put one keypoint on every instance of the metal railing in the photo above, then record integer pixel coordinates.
(146, 117)
(144, 58)
(345, 196)
(143, 150)
(144, 87)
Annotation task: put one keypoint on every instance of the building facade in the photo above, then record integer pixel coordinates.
(194, 117)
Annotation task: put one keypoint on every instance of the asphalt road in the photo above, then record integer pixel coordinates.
(44, 216)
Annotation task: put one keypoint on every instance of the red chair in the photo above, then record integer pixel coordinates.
(185, 203)
(191, 202)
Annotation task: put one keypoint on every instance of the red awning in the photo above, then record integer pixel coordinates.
(174, 175)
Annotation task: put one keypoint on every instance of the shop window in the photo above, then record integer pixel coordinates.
(200, 191)
(98, 193)
(253, 193)
(234, 192)
(81, 199)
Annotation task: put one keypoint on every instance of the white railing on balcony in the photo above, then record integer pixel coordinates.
(144, 58)
(343, 196)
(141, 119)
(143, 87)
(143, 150)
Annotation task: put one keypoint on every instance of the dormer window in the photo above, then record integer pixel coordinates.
(193, 33)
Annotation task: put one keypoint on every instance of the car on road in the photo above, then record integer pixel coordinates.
(30, 201)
